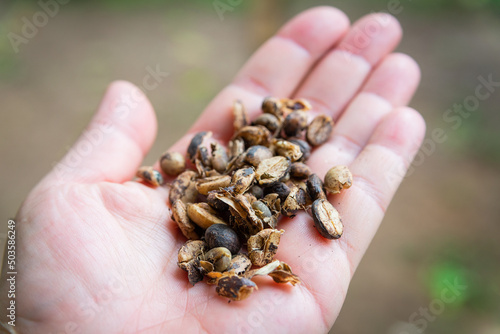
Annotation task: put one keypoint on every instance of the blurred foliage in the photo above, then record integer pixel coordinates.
(477, 269)
(478, 136)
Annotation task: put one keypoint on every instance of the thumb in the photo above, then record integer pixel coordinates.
(114, 143)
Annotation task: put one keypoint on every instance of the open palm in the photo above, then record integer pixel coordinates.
(97, 252)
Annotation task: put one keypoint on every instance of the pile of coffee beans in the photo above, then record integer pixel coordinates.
(234, 198)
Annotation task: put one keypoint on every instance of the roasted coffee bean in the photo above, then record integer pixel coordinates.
(150, 175)
(214, 201)
(326, 219)
(261, 210)
(240, 193)
(272, 170)
(299, 104)
(256, 191)
(203, 215)
(179, 215)
(188, 259)
(273, 106)
(204, 157)
(295, 201)
(315, 187)
(239, 264)
(219, 235)
(295, 123)
(287, 149)
(242, 180)
(254, 135)
(269, 121)
(319, 130)
(256, 154)
(196, 142)
(205, 185)
(184, 188)
(219, 158)
(279, 188)
(172, 163)
(299, 170)
(235, 287)
(263, 246)
(338, 178)
(305, 148)
(220, 257)
(240, 115)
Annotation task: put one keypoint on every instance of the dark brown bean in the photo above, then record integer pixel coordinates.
(219, 235)
(254, 135)
(319, 130)
(299, 170)
(315, 187)
(326, 219)
(269, 121)
(272, 105)
(295, 123)
(196, 142)
(256, 154)
(279, 188)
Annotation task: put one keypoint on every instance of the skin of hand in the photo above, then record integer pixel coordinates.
(97, 253)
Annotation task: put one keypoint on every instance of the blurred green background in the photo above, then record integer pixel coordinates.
(444, 223)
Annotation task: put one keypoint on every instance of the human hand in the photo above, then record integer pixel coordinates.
(97, 253)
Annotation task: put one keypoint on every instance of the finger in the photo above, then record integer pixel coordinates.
(391, 85)
(115, 142)
(337, 78)
(277, 67)
(377, 174)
